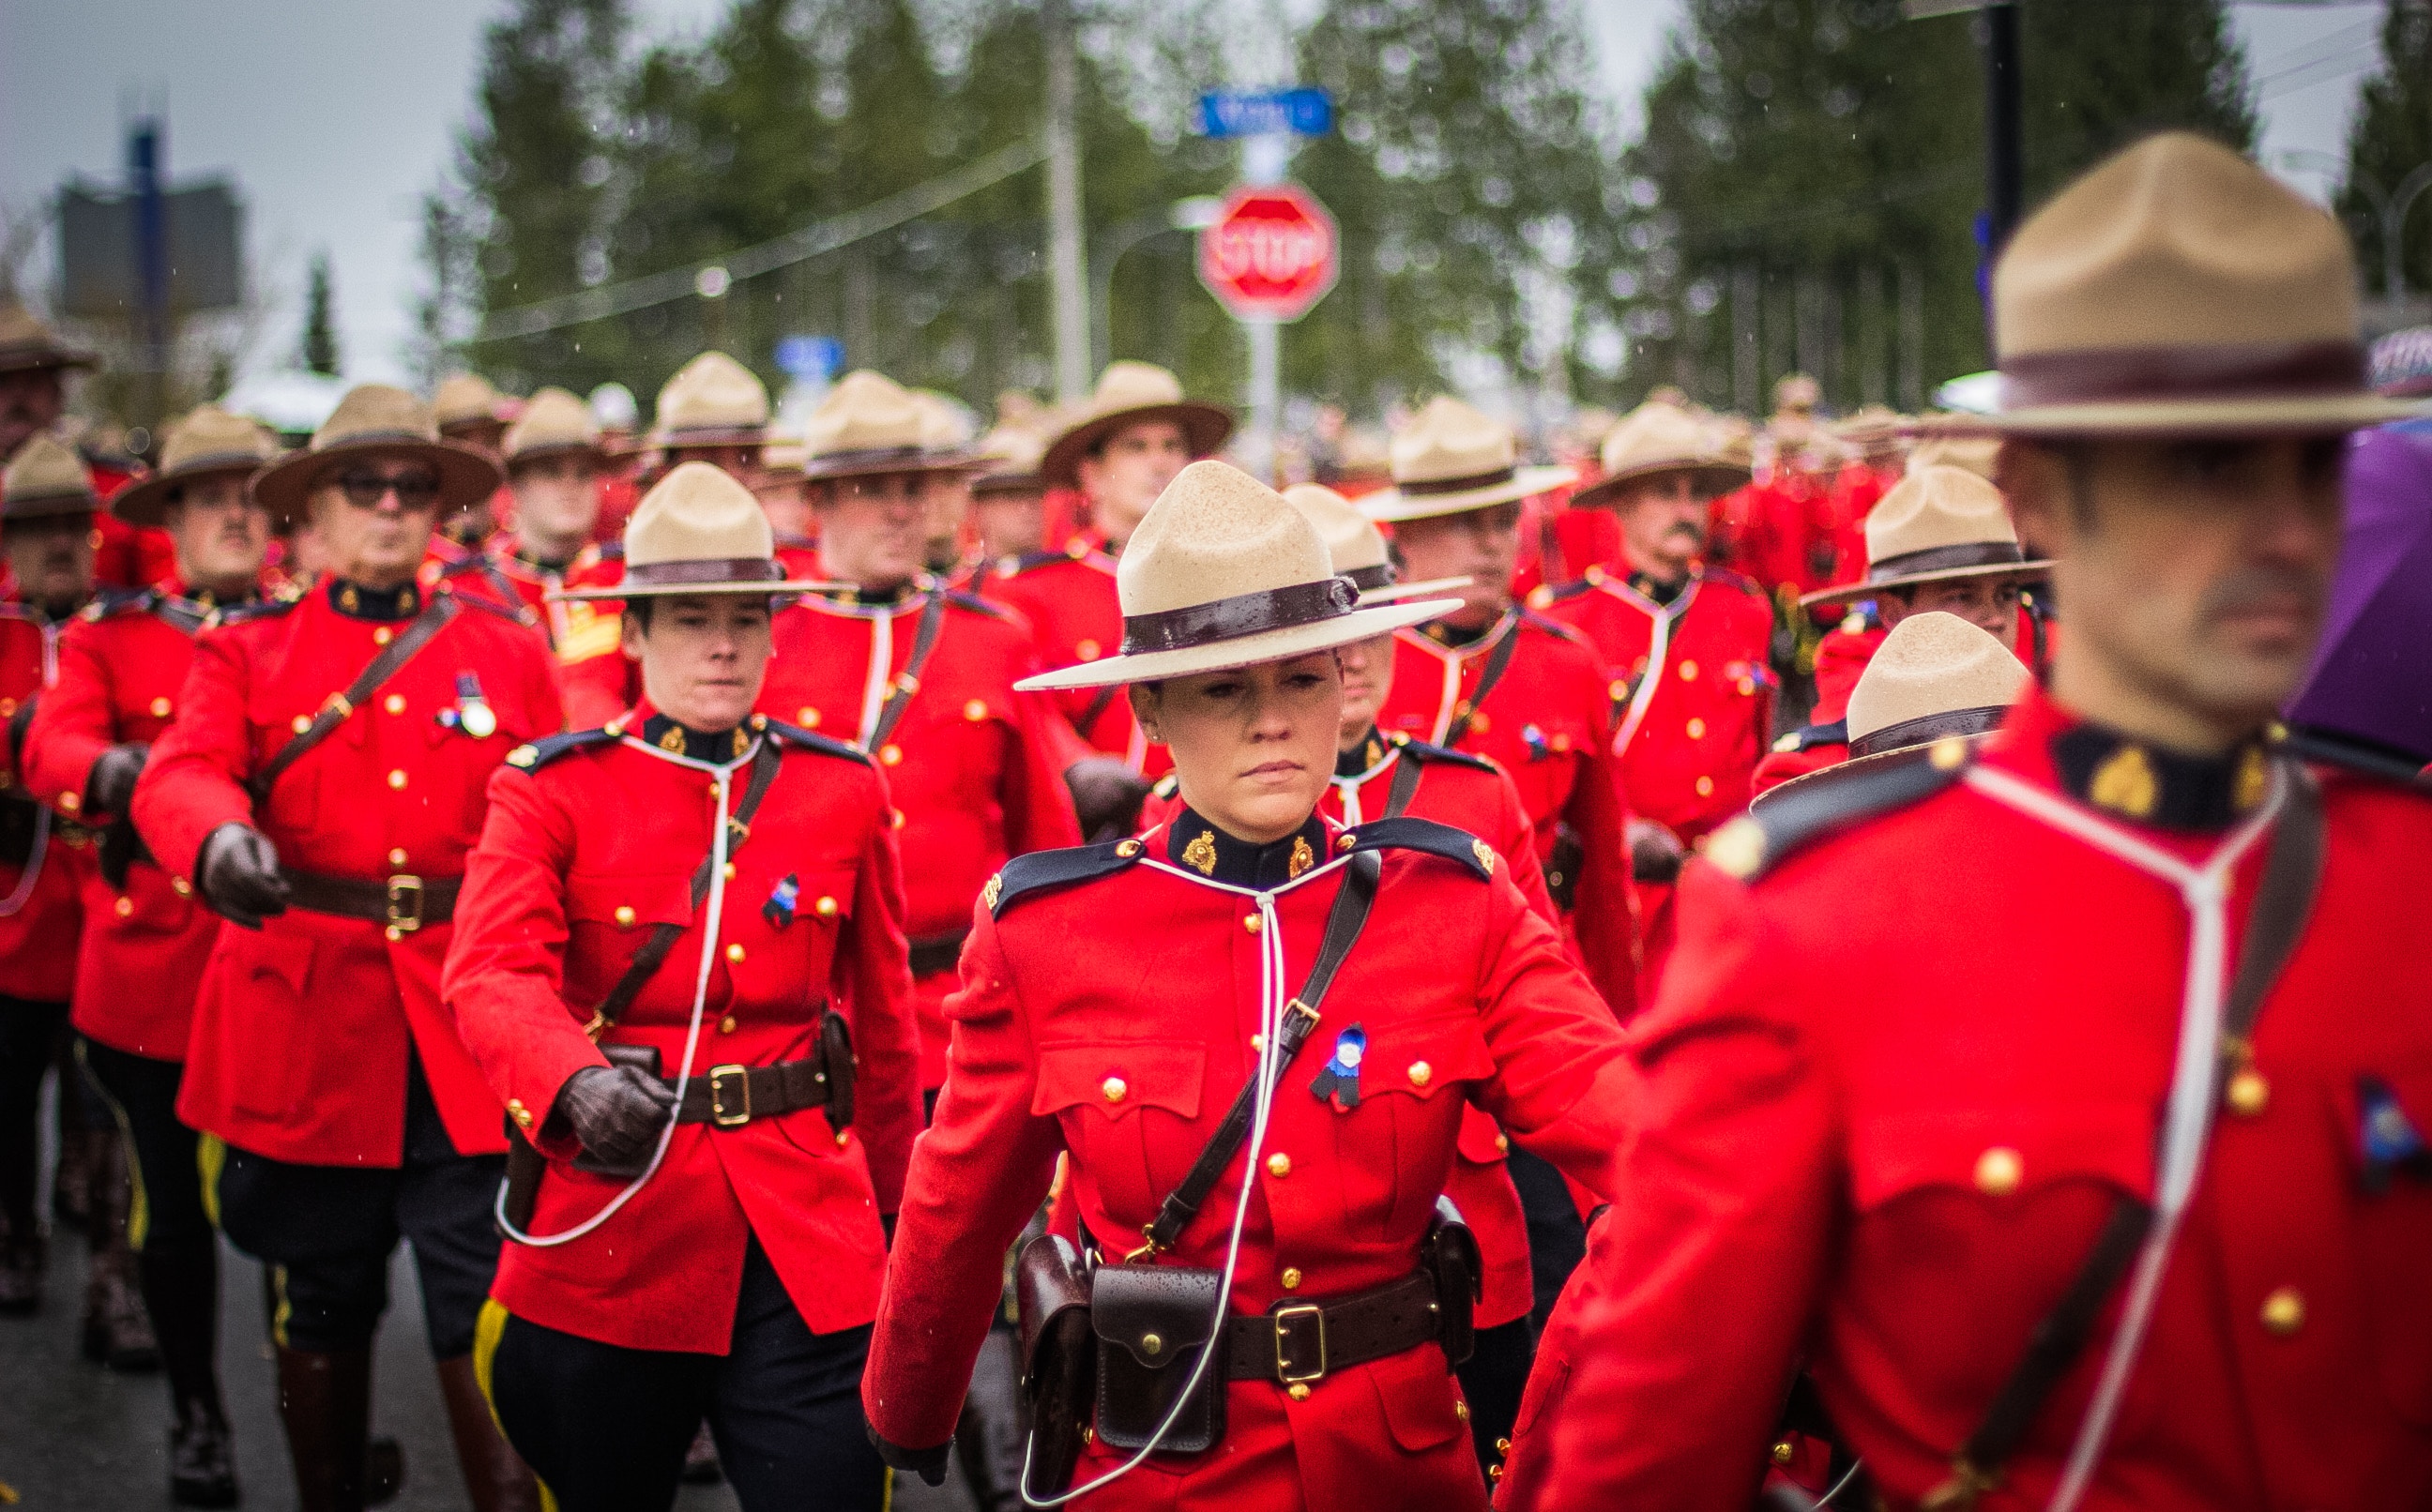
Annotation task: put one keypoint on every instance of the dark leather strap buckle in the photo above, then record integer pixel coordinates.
(1300, 1329)
(404, 903)
(721, 1113)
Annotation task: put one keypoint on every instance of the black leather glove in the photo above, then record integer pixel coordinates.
(238, 871)
(617, 1112)
(929, 1464)
(1654, 852)
(1107, 796)
(112, 781)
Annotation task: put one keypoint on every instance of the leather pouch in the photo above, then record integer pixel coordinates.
(1059, 1358)
(1450, 1256)
(1153, 1323)
(836, 1060)
(646, 1059)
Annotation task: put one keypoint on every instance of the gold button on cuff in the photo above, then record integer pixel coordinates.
(300, 723)
(890, 755)
(1697, 730)
(624, 916)
(735, 952)
(1422, 1073)
(394, 703)
(1461, 1410)
(2284, 1311)
(1252, 924)
(726, 1025)
(825, 907)
(383, 635)
(1503, 1144)
(1278, 1163)
(1291, 1278)
(1998, 1170)
(70, 802)
(182, 887)
(397, 779)
(1299, 1391)
(1114, 1088)
(2248, 1093)
(160, 708)
(1784, 1452)
(125, 907)
(519, 1113)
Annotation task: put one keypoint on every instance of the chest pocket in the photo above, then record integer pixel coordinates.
(1128, 1108)
(1393, 1150)
(608, 915)
(2000, 1155)
(2394, 1236)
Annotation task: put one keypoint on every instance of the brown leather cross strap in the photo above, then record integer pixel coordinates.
(907, 683)
(1498, 661)
(1302, 1341)
(731, 1096)
(433, 618)
(402, 902)
(2283, 902)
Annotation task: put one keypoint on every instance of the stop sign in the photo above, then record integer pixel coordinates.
(1270, 253)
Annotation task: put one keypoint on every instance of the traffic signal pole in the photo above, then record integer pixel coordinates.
(2005, 176)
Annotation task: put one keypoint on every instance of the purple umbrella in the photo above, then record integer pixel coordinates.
(2372, 678)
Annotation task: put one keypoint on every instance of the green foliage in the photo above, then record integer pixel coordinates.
(318, 351)
(2389, 138)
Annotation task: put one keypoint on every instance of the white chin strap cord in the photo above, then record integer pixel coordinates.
(2205, 889)
(721, 779)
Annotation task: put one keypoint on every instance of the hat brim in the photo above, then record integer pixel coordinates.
(592, 449)
(1243, 650)
(1391, 506)
(1395, 593)
(824, 470)
(2325, 414)
(1841, 771)
(49, 505)
(987, 485)
(1841, 592)
(1205, 427)
(705, 437)
(466, 476)
(1715, 479)
(146, 503)
(36, 359)
(762, 587)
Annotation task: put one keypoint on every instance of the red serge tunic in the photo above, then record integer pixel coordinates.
(42, 899)
(592, 840)
(122, 666)
(1067, 599)
(969, 762)
(302, 1028)
(1836, 1156)
(1547, 722)
(1125, 1047)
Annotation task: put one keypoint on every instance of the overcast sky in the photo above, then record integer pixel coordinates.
(333, 116)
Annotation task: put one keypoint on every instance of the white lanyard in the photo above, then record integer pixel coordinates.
(2205, 890)
(882, 667)
(1455, 659)
(1349, 788)
(1658, 646)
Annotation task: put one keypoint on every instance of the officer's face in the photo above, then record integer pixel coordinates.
(373, 515)
(1009, 524)
(1367, 673)
(1252, 747)
(1663, 523)
(220, 533)
(950, 499)
(1479, 545)
(872, 530)
(52, 558)
(2192, 575)
(787, 502)
(1127, 474)
(30, 401)
(702, 658)
(555, 499)
(1990, 604)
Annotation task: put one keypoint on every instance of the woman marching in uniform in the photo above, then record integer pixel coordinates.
(1258, 1079)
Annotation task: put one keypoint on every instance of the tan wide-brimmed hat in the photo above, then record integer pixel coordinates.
(1934, 525)
(869, 425)
(1452, 458)
(1130, 394)
(27, 345)
(945, 424)
(1358, 549)
(374, 417)
(1796, 393)
(468, 402)
(2177, 290)
(1975, 453)
(781, 466)
(209, 441)
(45, 477)
(554, 423)
(1661, 438)
(1872, 425)
(1224, 573)
(699, 532)
(711, 401)
(1010, 457)
(1935, 678)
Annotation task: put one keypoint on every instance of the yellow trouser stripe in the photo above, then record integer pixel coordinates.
(283, 1310)
(138, 1211)
(489, 1329)
(211, 1157)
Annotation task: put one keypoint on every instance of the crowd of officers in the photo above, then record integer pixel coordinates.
(1883, 1011)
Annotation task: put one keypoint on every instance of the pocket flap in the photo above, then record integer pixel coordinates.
(1423, 1057)
(2001, 1152)
(1155, 1312)
(629, 901)
(1116, 1078)
(1481, 1138)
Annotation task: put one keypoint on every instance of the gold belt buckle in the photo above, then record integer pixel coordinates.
(405, 903)
(1286, 1370)
(719, 1078)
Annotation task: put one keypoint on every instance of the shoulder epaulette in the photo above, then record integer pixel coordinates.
(117, 600)
(1166, 786)
(472, 562)
(1407, 833)
(1421, 751)
(977, 605)
(269, 608)
(1056, 868)
(1725, 576)
(1030, 560)
(2346, 753)
(1807, 736)
(539, 753)
(813, 741)
(1797, 816)
(512, 615)
(1546, 593)
(1552, 627)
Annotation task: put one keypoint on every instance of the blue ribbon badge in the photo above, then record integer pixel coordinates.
(472, 713)
(1339, 1082)
(779, 909)
(2390, 1139)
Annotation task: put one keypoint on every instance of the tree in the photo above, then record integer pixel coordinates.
(318, 351)
(2391, 137)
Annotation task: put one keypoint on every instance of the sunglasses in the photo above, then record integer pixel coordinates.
(413, 491)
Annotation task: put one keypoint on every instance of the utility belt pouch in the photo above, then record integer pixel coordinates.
(644, 1058)
(20, 818)
(1450, 1256)
(1153, 1323)
(1563, 860)
(1059, 1358)
(837, 1061)
(527, 1165)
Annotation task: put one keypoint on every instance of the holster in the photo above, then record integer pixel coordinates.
(1450, 1256)
(1563, 865)
(1059, 1360)
(119, 850)
(1153, 1323)
(836, 1059)
(18, 817)
(526, 1164)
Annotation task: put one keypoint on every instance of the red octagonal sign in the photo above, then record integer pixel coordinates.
(1271, 254)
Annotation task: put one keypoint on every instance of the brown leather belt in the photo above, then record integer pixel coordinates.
(938, 952)
(404, 903)
(731, 1096)
(1302, 1341)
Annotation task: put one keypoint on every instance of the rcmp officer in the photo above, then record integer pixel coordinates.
(1008, 509)
(470, 412)
(920, 677)
(699, 1014)
(2142, 1224)
(320, 787)
(122, 667)
(34, 366)
(1684, 648)
(1121, 1049)
(46, 509)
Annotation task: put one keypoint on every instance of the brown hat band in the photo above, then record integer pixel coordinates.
(867, 456)
(1945, 559)
(1368, 580)
(2271, 369)
(712, 569)
(1273, 609)
(1927, 727)
(1459, 485)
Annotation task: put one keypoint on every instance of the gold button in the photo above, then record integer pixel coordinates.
(383, 635)
(895, 819)
(726, 1025)
(844, 1138)
(160, 708)
(1705, 787)
(522, 1115)
(825, 907)
(70, 802)
(624, 916)
(1258, 1044)
(1784, 1452)
(807, 718)
(1422, 1073)
(397, 779)
(1291, 1278)
(890, 755)
(1299, 1391)
(1114, 1088)
(730, 871)
(397, 856)
(1461, 1409)
(2249, 1093)
(1252, 924)
(1998, 1170)
(1688, 671)
(735, 952)
(975, 711)
(1152, 1343)
(182, 887)
(300, 723)
(395, 934)
(2284, 1311)
(1697, 730)
(394, 703)
(1503, 1144)
(126, 906)
(1477, 724)
(1278, 1163)
(1085, 649)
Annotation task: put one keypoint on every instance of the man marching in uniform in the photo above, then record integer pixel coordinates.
(907, 671)
(320, 787)
(1683, 646)
(121, 670)
(697, 1012)
(2143, 1221)
(552, 459)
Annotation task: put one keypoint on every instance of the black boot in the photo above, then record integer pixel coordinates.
(496, 1477)
(325, 1402)
(117, 1330)
(202, 1456)
(181, 1291)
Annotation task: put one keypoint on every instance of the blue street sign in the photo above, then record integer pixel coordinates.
(810, 357)
(1301, 112)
